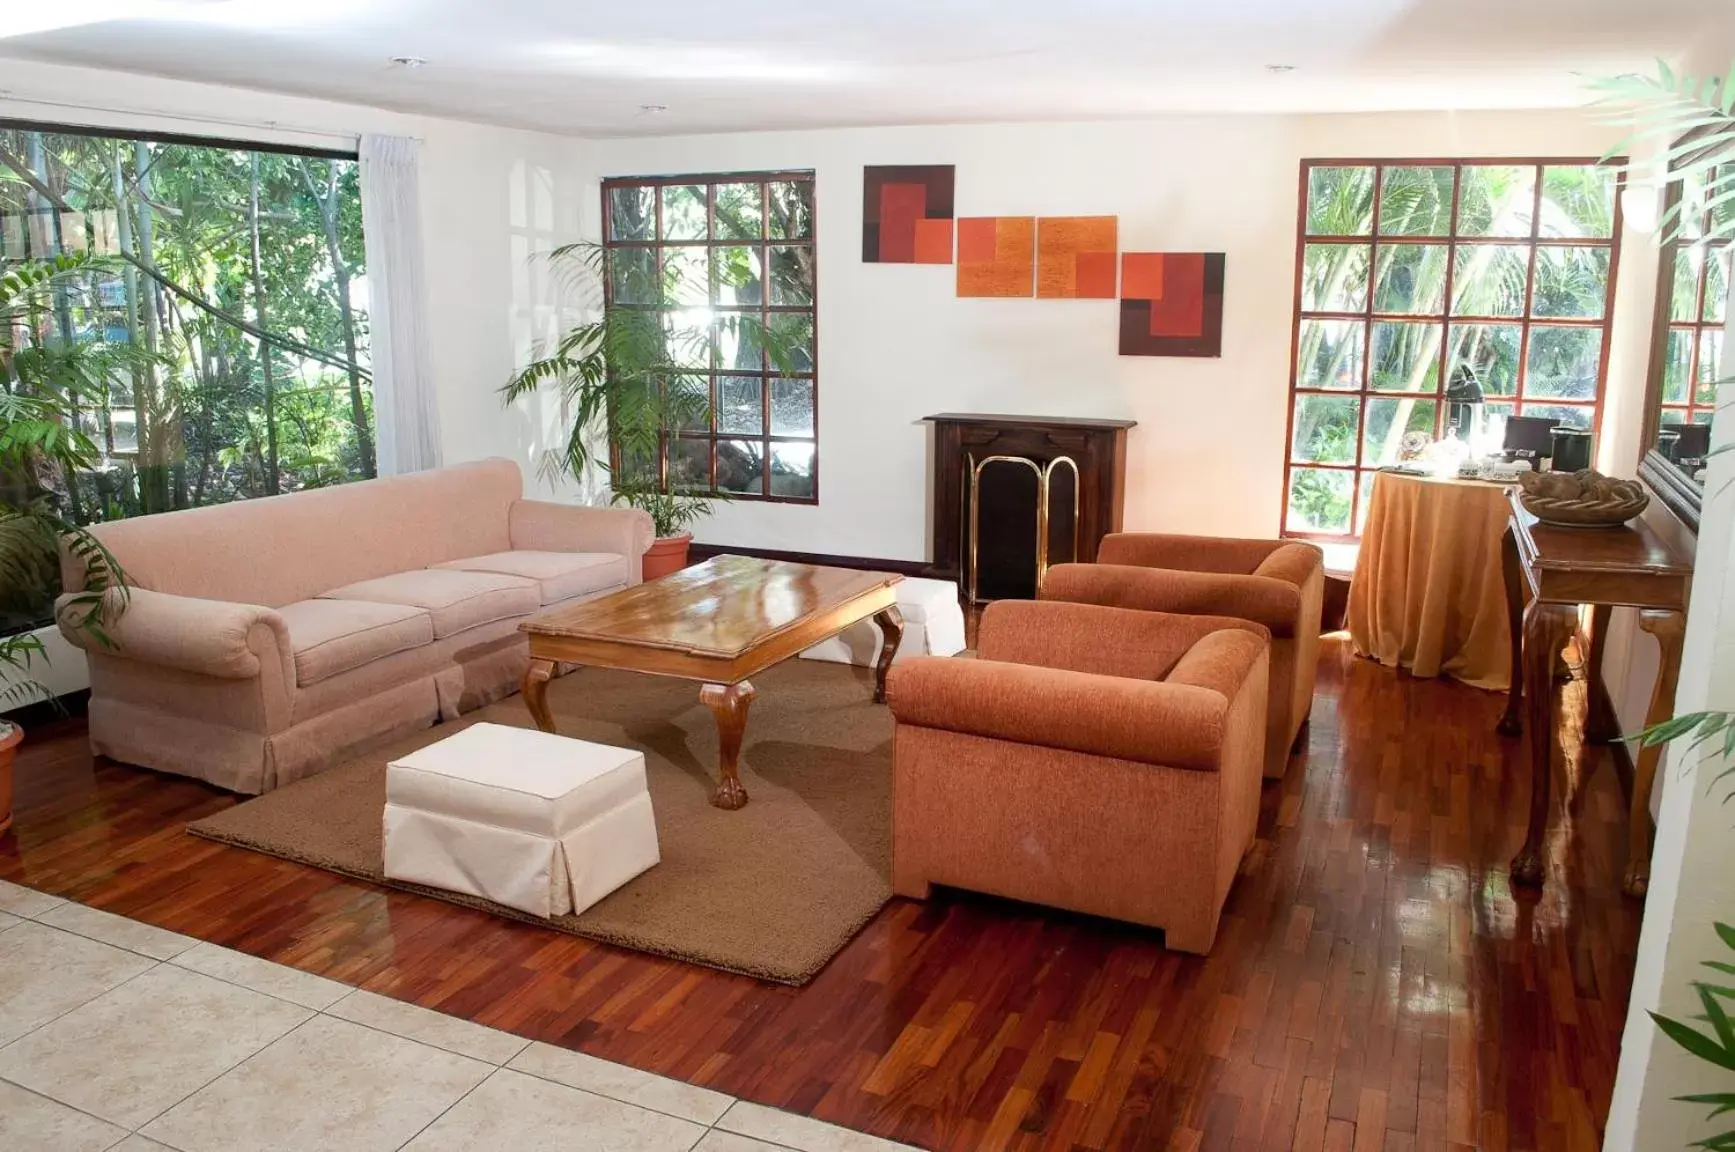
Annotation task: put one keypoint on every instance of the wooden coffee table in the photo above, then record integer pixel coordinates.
(719, 623)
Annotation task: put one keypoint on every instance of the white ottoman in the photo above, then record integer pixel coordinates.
(933, 626)
(534, 821)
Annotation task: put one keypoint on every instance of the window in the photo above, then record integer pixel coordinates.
(1696, 270)
(1409, 272)
(217, 346)
(722, 248)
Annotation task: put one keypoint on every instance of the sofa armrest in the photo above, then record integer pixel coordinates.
(544, 526)
(1178, 725)
(1185, 553)
(1262, 599)
(210, 637)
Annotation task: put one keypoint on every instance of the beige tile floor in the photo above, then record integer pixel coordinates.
(118, 1035)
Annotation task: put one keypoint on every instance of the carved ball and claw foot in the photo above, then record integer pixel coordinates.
(891, 623)
(1527, 868)
(729, 704)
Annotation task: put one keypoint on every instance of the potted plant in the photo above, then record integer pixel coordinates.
(40, 385)
(627, 376)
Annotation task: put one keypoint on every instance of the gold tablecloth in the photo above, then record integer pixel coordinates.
(1428, 592)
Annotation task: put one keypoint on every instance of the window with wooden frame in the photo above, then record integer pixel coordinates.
(1410, 271)
(1695, 271)
(717, 250)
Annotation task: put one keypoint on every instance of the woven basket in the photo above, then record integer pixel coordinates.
(1583, 513)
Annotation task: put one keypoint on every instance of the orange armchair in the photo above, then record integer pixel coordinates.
(1277, 583)
(1096, 759)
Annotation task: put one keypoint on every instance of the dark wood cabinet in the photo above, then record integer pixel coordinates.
(962, 440)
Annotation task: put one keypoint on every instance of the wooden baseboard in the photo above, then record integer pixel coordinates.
(698, 553)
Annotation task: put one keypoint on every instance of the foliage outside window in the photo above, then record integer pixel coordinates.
(1409, 271)
(1697, 264)
(702, 251)
(216, 347)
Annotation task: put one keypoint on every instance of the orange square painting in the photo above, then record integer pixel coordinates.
(996, 255)
(1171, 304)
(1075, 257)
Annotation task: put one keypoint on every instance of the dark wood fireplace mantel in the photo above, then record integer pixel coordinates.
(1097, 446)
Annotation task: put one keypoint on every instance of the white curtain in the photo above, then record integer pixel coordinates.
(406, 419)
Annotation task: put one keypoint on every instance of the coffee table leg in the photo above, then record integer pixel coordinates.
(728, 703)
(891, 623)
(535, 690)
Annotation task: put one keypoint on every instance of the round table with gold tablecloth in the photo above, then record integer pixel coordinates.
(1428, 592)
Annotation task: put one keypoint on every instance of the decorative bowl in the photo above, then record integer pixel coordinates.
(1582, 499)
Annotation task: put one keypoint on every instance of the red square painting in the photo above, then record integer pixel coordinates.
(1075, 256)
(1172, 304)
(906, 212)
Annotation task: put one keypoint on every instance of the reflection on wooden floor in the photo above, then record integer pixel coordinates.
(1375, 985)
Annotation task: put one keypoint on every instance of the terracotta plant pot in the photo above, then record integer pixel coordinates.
(668, 554)
(8, 748)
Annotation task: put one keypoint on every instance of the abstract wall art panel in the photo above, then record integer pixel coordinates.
(1075, 256)
(906, 213)
(1172, 304)
(996, 255)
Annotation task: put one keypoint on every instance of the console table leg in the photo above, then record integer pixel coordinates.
(728, 703)
(535, 689)
(1512, 724)
(891, 623)
(1668, 627)
(1547, 627)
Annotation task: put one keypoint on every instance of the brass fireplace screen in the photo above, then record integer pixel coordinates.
(1044, 474)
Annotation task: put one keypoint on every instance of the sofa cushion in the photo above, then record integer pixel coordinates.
(454, 600)
(333, 636)
(560, 575)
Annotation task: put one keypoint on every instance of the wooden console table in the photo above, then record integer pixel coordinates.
(1559, 569)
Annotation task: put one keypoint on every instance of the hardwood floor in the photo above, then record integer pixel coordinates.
(1376, 985)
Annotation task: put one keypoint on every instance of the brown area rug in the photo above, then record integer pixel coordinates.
(773, 890)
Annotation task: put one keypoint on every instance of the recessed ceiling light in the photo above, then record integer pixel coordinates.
(408, 61)
(653, 109)
(1280, 68)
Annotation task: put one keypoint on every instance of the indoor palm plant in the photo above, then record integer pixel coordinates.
(40, 387)
(629, 378)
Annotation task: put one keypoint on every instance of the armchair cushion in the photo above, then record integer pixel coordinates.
(454, 600)
(1082, 637)
(1185, 553)
(210, 637)
(544, 526)
(333, 636)
(558, 575)
(1264, 600)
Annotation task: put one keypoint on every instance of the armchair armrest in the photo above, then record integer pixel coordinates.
(1294, 562)
(544, 526)
(1262, 599)
(1185, 553)
(210, 637)
(1179, 725)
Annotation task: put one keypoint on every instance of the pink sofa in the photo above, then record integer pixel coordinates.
(267, 640)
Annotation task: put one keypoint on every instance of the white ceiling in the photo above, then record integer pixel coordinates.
(581, 67)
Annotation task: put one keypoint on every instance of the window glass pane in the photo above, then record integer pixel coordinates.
(1325, 429)
(687, 337)
(686, 275)
(792, 469)
(1578, 200)
(791, 407)
(740, 342)
(1570, 282)
(633, 275)
(1496, 200)
(792, 335)
(1334, 278)
(1367, 481)
(739, 215)
(1677, 366)
(740, 404)
(789, 213)
(1563, 363)
(1340, 201)
(1329, 354)
(632, 213)
(792, 274)
(1416, 202)
(1489, 279)
(1684, 296)
(1717, 285)
(1319, 500)
(1491, 351)
(1406, 357)
(1710, 364)
(684, 211)
(1410, 278)
(689, 463)
(1389, 417)
(1570, 415)
(741, 466)
(689, 403)
(740, 279)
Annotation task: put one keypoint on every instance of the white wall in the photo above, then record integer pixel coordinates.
(491, 198)
(895, 343)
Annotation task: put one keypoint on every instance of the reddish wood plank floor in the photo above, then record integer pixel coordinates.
(1376, 984)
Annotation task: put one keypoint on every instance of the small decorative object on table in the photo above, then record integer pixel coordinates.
(1582, 499)
(1413, 446)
